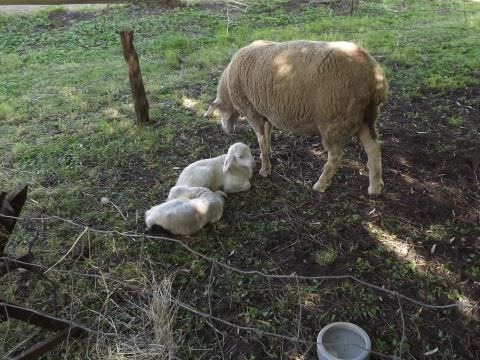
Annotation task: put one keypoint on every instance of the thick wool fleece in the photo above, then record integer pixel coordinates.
(230, 172)
(306, 87)
(190, 210)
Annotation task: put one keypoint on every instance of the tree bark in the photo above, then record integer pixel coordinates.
(140, 101)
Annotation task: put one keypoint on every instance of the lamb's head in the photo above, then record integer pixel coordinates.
(228, 114)
(239, 159)
(151, 216)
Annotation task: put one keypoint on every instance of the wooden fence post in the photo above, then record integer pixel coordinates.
(136, 83)
(353, 7)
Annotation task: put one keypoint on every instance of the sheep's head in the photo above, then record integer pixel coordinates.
(228, 115)
(239, 158)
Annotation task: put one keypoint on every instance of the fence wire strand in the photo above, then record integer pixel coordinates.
(117, 86)
(210, 317)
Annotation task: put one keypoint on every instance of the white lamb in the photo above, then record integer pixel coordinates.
(189, 211)
(231, 172)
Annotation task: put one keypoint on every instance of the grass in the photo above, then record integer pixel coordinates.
(455, 121)
(66, 128)
(159, 339)
(325, 257)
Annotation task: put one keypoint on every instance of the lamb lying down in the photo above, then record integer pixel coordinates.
(196, 200)
(190, 209)
(230, 172)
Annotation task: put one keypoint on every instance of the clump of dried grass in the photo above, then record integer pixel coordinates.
(156, 340)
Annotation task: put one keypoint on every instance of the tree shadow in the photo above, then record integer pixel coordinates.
(420, 239)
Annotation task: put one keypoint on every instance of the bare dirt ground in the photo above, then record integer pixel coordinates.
(430, 185)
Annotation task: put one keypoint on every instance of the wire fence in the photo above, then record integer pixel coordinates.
(43, 270)
(102, 323)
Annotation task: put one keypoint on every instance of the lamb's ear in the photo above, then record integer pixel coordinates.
(229, 161)
(213, 106)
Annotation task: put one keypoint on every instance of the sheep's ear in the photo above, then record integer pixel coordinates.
(229, 160)
(213, 106)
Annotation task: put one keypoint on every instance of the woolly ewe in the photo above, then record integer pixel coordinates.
(307, 87)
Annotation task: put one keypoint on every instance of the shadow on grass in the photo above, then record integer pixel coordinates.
(420, 239)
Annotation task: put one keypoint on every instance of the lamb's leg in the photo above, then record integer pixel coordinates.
(335, 156)
(268, 134)
(374, 164)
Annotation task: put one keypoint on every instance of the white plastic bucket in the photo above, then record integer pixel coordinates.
(343, 341)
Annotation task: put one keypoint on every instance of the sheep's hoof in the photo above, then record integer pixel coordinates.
(320, 187)
(265, 172)
(376, 189)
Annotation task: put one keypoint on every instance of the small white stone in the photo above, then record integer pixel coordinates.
(104, 200)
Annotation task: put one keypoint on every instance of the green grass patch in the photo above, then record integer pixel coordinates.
(66, 128)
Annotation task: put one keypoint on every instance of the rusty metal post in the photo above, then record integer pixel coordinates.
(39, 349)
(10, 264)
(10, 206)
(63, 328)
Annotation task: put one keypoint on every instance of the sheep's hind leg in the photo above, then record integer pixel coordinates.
(374, 164)
(335, 156)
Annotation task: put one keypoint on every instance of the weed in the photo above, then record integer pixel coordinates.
(362, 266)
(325, 257)
(455, 121)
(436, 232)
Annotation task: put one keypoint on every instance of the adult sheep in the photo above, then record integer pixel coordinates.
(307, 87)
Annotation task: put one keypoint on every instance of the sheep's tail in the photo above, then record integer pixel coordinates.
(378, 98)
(381, 86)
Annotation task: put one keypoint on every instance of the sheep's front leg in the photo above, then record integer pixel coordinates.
(263, 130)
(335, 156)
(264, 154)
(268, 134)
(374, 164)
